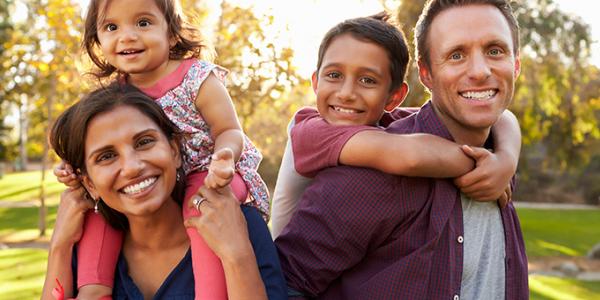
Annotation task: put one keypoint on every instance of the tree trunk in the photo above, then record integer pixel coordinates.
(43, 209)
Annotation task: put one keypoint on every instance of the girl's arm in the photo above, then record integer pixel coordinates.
(421, 155)
(67, 231)
(494, 171)
(215, 105)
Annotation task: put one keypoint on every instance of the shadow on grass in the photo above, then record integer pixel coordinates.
(22, 273)
(13, 220)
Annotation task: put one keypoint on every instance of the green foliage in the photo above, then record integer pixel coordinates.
(554, 288)
(559, 232)
(22, 273)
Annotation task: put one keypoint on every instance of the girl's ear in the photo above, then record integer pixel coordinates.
(397, 97)
(89, 186)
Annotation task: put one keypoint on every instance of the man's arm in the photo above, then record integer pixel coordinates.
(338, 219)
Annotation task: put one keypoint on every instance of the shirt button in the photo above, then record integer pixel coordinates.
(456, 297)
(460, 241)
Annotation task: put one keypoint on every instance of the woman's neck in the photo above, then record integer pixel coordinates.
(163, 229)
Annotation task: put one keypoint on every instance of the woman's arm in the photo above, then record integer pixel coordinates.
(422, 155)
(217, 109)
(224, 229)
(67, 231)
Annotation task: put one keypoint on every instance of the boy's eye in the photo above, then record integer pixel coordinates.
(367, 80)
(110, 27)
(143, 23)
(333, 75)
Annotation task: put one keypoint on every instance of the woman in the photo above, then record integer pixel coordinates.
(127, 154)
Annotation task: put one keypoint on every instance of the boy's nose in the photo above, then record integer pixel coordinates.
(346, 92)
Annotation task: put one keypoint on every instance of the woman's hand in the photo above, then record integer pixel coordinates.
(68, 228)
(221, 223)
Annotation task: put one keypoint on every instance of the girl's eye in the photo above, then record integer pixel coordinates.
(143, 23)
(105, 156)
(110, 27)
(367, 80)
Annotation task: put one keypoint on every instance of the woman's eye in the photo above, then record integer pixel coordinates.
(145, 141)
(105, 156)
(110, 27)
(143, 23)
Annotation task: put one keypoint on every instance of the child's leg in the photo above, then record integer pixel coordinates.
(97, 256)
(208, 270)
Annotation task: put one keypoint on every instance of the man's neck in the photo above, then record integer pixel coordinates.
(463, 135)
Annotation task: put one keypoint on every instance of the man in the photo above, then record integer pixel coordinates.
(363, 234)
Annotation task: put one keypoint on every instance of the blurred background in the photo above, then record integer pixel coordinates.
(271, 47)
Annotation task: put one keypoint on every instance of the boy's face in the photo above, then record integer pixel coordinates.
(353, 84)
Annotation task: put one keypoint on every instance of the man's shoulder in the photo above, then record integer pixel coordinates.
(343, 178)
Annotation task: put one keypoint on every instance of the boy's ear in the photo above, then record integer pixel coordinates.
(397, 97)
(315, 81)
(425, 74)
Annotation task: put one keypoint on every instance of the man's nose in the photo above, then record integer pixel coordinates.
(479, 68)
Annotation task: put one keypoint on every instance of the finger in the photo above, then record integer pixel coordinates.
(508, 192)
(223, 154)
(503, 200)
(475, 153)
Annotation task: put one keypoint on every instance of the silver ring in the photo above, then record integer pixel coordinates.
(197, 201)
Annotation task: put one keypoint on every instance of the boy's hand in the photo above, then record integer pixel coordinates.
(490, 178)
(64, 174)
(221, 169)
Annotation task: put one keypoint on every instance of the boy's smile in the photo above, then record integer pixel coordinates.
(353, 84)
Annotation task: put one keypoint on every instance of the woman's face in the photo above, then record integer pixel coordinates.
(130, 163)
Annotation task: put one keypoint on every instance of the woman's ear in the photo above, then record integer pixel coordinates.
(89, 186)
(397, 97)
(176, 153)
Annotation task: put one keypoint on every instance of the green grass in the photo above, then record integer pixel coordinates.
(21, 224)
(25, 186)
(559, 232)
(22, 273)
(553, 288)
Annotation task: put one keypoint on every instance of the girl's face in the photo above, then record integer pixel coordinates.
(130, 163)
(134, 38)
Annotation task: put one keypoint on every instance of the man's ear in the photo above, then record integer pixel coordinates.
(425, 74)
(315, 81)
(517, 65)
(397, 97)
(89, 186)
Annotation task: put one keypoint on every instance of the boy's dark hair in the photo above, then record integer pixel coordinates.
(187, 36)
(434, 7)
(375, 29)
(69, 132)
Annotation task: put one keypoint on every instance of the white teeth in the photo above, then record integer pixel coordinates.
(344, 110)
(483, 95)
(138, 187)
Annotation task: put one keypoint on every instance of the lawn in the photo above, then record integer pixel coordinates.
(546, 232)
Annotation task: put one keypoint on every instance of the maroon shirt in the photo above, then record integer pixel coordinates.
(363, 234)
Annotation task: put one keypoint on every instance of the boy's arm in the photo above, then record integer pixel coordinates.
(421, 155)
(494, 171)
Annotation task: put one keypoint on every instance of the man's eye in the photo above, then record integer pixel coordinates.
(495, 52)
(456, 56)
(110, 27)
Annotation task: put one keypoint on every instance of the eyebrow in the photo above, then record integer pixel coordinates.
(367, 69)
(135, 137)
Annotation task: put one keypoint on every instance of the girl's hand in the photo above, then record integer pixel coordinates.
(68, 228)
(64, 174)
(490, 178)
(221, 223)
(221, 169)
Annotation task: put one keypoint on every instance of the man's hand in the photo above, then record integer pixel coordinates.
(221, 169)
(489, 181)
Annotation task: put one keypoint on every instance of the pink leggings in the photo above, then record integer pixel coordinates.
(100, 246)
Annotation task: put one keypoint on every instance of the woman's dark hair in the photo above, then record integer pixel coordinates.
(69, 132)
(187, 36)
(377, 29)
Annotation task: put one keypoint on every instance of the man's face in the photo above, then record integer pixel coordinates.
(472, 67)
